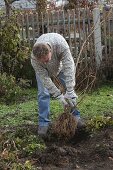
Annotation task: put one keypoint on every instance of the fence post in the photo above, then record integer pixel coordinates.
(97, 36)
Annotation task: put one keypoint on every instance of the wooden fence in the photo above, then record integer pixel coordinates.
(88, 33)
(107, 31)
(86, 30)
(75, 26)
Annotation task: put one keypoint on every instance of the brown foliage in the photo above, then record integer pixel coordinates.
(79, 3)
(41, 6)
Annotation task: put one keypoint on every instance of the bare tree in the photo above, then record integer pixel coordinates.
(81, 3)
(8, 4)
(41, 6)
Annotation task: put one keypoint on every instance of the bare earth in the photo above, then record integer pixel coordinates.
(84, 152)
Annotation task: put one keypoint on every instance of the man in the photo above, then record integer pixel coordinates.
(51, 57)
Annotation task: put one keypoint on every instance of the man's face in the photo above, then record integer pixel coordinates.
(45, 59)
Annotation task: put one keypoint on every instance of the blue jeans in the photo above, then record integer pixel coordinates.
(44, 101)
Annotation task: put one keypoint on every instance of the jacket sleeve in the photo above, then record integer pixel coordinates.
(68, 69)
(46, 80)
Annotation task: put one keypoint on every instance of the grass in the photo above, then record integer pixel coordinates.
(25, 112)
(97, 103)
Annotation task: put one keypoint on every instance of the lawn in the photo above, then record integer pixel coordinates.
(26, 110)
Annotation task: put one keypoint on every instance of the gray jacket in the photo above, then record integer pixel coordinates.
(61, 60)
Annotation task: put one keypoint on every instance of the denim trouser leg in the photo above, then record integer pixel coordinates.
(43, 103)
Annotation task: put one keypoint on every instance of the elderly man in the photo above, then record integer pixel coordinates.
(51, 57)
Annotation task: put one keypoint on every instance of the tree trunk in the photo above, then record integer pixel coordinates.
(8, 7)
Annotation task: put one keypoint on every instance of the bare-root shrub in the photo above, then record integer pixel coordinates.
(65, 126)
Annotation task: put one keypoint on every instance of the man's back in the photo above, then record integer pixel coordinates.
(55, 40)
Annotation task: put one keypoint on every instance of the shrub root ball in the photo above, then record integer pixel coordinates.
(65, 126)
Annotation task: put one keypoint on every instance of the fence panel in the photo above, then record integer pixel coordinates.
(73, 25)
(107, 31)
(107, 43)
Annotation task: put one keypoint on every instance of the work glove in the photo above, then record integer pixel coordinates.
(71, 98)
(62, 100)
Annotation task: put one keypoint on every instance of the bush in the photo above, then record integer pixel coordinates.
(9, 90)
(14, 54)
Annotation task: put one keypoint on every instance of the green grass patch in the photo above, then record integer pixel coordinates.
(98, 102)
(26, 111)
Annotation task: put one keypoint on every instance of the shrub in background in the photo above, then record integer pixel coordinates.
(9, 90)
(14, 54)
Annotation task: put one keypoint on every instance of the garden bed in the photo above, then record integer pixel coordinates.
(86, 151)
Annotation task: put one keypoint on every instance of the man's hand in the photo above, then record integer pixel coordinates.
(62, 100)
(71, 98)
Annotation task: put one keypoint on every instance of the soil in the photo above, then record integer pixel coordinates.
(86, 151)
